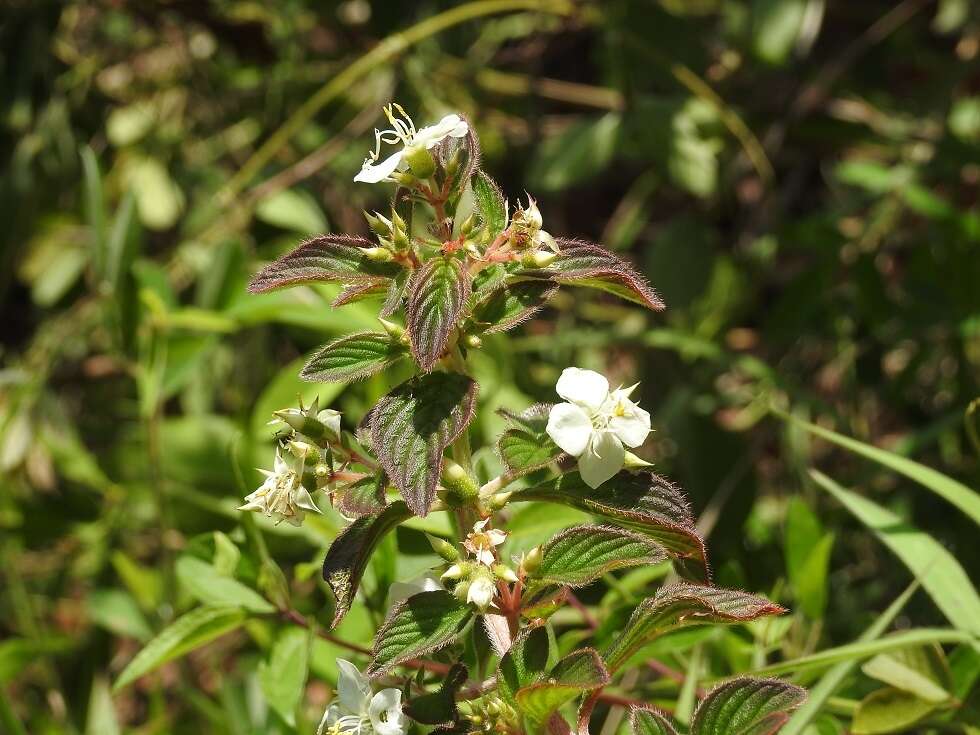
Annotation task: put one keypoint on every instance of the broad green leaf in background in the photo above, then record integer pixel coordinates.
(921, 671)
(292, 209)
(211, 587)
(418, 626)
(582, 150)
(101, 718)
(580, 555)
(579, 672)
(889, 710)
(945, 487)
(747, 706)
(807, 550)
(117, 611)
(350, 552)
(188, 632)
(159, 200)
(939, 572)
(353, 357)
(413, 425)
(776, 25)
(283, 676)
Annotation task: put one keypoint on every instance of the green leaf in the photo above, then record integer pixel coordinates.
(117, 611)
(292, 209)
(350, 552)
(101, 718)
(283, 676)
(577, 153)
(439, 707)
(945, 487)
(580, 555)
(509, 306)
(362, 498)
(939, 572)
(490, 203)
(210, 587)
(353, 357)
(323, 259)
(524, 663)
(413, 425)
(776, 24)
(418, 626)
(921, 671)
(527, 447)
(185, 634)
(680, 605)
(579, 672)
(645, 721)
(747, 707)
(362, 290)
(889, 710)
(16, 654)
(95, 214)
(586, 264)
(808, 552)
(640, 501)
(437, 294)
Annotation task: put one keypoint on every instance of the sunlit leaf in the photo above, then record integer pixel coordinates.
(437, 294)
(353, 357)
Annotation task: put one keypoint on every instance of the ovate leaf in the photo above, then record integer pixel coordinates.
(418, 626)
(350, 552)
(579, 672)
(747, 707)
(490, 203)
(680, 605)
(413, 425)
(889, 710)
(353, 357)
(437, 293)
(527, 446)
(524, 663)
(363, 497)
(511, 305)
(362, 290)
(585, 264)
(580, 555)
(323, 258)
(645, 721)
(211, 587)
(283, 676)
(921, 671)
(185, 634)
(640, 501)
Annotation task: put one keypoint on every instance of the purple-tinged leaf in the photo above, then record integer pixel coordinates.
(641, 501)
(490, 204)
(350, 552)
(362, 498)
(353, 357)
(394, 295)
(648, 721)
(413, 425)
(679, 605)
(580, 672)
(747, 706)
(323, 258)
(507, 307)
(360, 291)
(586, 264)
(580, 555)
(437, 294)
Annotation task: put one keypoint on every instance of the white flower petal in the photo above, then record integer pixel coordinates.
(602, 460)
(385, 712)
(329, 718)
(403, 590)
(480, 593)
(353, 688)
(632, 427)
(570, 428)
(304, 500)
(373, 173)
(584, 387)
(450, 126)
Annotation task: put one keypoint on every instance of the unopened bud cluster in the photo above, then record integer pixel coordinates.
(474, 578)
(489, 714)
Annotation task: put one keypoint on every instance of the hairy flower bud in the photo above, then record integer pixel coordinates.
(458, 487)
(378, 255)
(443, 548)
(532, 560)
(504, 572)
(538, 258)
(420, 162)
(394, 330)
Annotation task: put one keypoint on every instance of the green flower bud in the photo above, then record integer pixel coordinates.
(532, 560)
(504, 572)
(378, 255)
(473, 341)
(538, 258)
(458, 487)
(420, 162)
(443, 548)
(394, 330)
(632, 462)
(500, 500)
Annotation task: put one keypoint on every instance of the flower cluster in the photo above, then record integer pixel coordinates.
(356, 710)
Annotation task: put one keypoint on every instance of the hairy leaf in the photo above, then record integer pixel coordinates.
(524, 663)
(439, 707)
(416, 627)
(354, 292)
(185, 634)
(579, 672)
(490, 203)
(349, 553)
(586, 264)
(641, 501)
(437, 294)
(394, 295)
(527, 446)
(646, 721)
(413, 425)
(361, 498)
(511, 305)
(580, 555)
(353, 357)
(323, 258)
(747, 707)
(679, 605)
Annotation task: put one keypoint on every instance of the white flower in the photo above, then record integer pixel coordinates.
(481, 543)
(403, 590)
(596, 423)
(481, 591)
(403, 132)
(282, 495)
(356, 711)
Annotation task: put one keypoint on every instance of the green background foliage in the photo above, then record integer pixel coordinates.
(797, 178)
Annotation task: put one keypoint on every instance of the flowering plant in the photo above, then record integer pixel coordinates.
(472, 646)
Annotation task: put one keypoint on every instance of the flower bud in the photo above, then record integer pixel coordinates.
(378, 223)
(532, 560)
(420, 162)
(443, 548)
(458, 487)
(632, 462)
(504, 572)
(538, 258)
(500, 500)
(457, 571)
(473, 341)
(304, 450)
(394, 330)
(467, 226)
(378, 255)
(481, 591)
